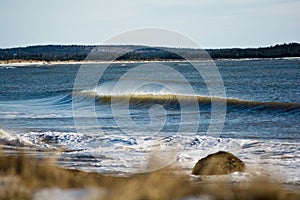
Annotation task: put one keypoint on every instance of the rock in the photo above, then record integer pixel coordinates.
(218, 163)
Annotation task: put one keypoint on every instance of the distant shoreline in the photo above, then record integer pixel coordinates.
(134, 53)
(58, 62)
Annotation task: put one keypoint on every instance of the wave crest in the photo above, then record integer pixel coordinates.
(156, 98)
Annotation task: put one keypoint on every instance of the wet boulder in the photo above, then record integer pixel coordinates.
(218, 163)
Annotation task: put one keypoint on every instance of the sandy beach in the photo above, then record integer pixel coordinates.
(61, 62)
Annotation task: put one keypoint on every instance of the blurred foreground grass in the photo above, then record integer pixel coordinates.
(21, 176)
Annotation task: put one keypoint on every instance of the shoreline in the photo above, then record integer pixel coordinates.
(59, 62)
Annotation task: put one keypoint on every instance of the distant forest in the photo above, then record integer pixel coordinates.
(132, 52)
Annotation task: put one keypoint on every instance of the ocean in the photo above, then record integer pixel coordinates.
(146, 124)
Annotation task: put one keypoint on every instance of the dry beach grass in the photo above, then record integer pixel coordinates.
(21, 176)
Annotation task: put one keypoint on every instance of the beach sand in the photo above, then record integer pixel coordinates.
(61, 62)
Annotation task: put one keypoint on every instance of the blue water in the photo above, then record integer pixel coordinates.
(37, 104)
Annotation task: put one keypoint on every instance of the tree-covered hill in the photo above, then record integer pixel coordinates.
(131, 52)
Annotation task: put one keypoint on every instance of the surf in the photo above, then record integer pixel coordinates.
(140, 98)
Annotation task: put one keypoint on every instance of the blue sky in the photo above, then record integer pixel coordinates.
(211, 23)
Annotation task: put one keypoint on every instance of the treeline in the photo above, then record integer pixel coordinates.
(132, 52)
(277, 51)
(46, 53)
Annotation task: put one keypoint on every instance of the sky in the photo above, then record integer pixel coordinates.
(210, 23)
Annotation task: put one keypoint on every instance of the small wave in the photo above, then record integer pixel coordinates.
(59, 99)
(16, 141)
(8, 67)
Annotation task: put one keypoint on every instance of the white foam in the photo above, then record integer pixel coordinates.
(278, 160)
(125, 154)
(14, 140)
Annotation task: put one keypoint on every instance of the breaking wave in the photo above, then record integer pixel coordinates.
(169, 99)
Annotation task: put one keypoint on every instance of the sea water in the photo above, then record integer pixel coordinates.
(38, 104)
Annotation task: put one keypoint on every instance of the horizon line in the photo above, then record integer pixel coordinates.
(82, 44)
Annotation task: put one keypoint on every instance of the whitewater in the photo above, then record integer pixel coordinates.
(132, 126)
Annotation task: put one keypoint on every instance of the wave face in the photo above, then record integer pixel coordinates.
(174, 99)
(262, 114)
